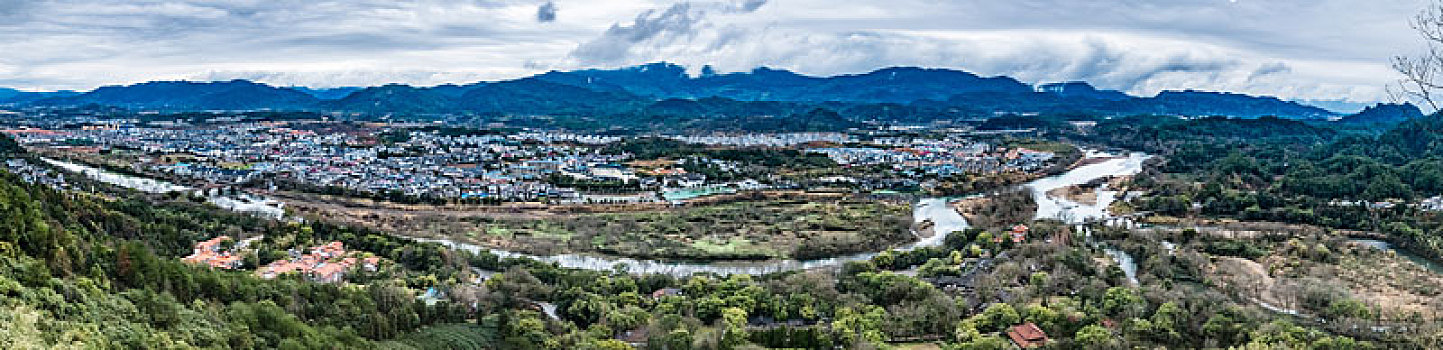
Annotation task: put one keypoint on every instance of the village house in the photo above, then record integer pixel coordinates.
(327, 263)
(1019, 233)
(665, 292)
(1027, 336)
(210, 253)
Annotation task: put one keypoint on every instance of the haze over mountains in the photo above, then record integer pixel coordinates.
(901, 93)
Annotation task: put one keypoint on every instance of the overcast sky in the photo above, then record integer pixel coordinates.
(1295, 49)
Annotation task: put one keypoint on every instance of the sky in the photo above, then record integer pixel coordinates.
(1293, 49)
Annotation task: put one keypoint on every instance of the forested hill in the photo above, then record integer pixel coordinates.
(81, 271)
(1384, 114)
(640, 93)
(1278, 170)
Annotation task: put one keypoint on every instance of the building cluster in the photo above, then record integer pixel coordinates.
(419, 163)
(218, 252)
(32, 135)
(36, 174)
(767, 140)
(423, 165)
(1432, 204)
(940, 158)
(328, 263)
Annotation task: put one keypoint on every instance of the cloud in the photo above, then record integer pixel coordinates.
(1163, 46)
(677, 22)
(1270, 69)
(344, 78)
(11, 9)
(751, 5)
(546, 13)
(82, 44)
(1315, 49)
(614, 45)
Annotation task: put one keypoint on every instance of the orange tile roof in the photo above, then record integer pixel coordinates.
(1027, 335)
(327, 269)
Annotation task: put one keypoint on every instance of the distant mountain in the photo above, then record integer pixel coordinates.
(1339, 106)
(12, 96)
(902, 84)
(938, 89)
(1384, 114)
(7, 93)
(886, 85)
(1082, 90)
(186, 95)
(1203, 103)
(393, 98)
(536, 96)
(326, 93)
(658, 80)
(906, 94)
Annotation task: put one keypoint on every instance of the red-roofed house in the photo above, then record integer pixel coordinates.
(326, 264)
(665, 292)
(208, 253)
(330, 250)
(226, 261)
(371, 263)
(1027, 335)
(328, 272)
(1019, 233)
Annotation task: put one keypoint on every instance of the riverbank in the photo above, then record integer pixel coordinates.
(240, 202)
(944, 220)
(1085, 192)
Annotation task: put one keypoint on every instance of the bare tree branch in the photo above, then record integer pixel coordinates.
(1421, 74)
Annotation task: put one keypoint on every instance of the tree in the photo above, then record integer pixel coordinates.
(1168, 321)
(966, 331)
(606, 344)
(860, 325)
(990, 342)
(998, 317)
(1043, 317)
(627, 318)
(1038, 279)
(1123, 302)
(1422, 74)
(1093, 336)
(734, 328)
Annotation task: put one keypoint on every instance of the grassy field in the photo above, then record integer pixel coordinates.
(743, 230)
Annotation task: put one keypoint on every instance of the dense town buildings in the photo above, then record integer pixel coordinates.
(420, 162)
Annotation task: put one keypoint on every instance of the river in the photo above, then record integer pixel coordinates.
(1050, 207)
(943, 217)
(243, 202)
(1072, 212)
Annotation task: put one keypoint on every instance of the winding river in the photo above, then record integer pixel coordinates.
(245, 203)
(1072, 212)
(1050, 207)
(943, 217)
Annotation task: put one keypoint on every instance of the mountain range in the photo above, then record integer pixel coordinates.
(666, 90)
(1384, 114)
